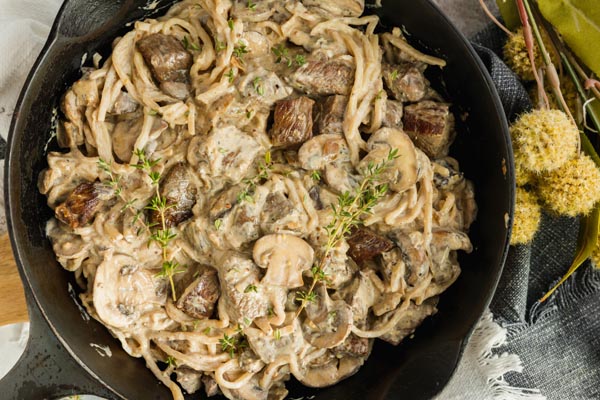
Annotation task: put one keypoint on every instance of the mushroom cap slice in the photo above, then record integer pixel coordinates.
(332, 372)
(403, 171)
(285, 257)
(332, 331)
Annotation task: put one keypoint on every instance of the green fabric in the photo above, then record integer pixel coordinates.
(510, 13)
(578, 21)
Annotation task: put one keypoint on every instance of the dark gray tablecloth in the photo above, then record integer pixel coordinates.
(558, 341)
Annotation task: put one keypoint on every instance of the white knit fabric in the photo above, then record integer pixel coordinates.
(24, 26)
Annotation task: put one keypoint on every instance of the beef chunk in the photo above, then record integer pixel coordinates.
(293, 122)
(410, 320)
(82, 204)
(224, 203)
(180, 193)
(167, 58)
(366, 244)
(330, 115)
(324, 77)
(393, 114)
(189, 379)
(199, 298)
(431, 126)
(405, 82)
(210, 385)
(353, 346)
(277, 206)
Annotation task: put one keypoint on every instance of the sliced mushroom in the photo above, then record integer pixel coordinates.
(123, 137)
(332, 372)
(334, 329)
(285, 257)
(414, 257)
(401, 174)
(269, 348)
(354, 346)
(249, 391)
(322, 150)
(123, 292)
(316, 310)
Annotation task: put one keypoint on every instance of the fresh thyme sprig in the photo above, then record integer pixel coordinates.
(171, 361)
(240, 50)
(188, 44)
(233, 344)
(282, 56)
(263, 173)
(346, 215)
(258, 86)
(170, 269)
(163, 235)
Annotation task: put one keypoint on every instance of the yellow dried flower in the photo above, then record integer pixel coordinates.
(527, 217)
(572, 189)
(517, 58)
(546, 139)
(523, 176)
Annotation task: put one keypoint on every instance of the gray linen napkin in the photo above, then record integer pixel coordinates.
(557, 341)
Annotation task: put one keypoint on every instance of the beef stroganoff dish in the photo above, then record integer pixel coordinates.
(254, 190)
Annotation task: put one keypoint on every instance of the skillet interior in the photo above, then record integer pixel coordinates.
(418, 368)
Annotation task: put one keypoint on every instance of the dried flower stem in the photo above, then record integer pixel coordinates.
(580, 90)
(551, 72)
(492, 17)
(529, 43)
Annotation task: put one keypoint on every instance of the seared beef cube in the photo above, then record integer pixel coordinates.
(276, 207)
(366, 244)
(199, 298)
(431, 126)
(323, 77)
(405, 82)
(410, 320)
(353, 346)
(189, 379)
(210, 386)
(293, 123)
(223, 203)
(180, 193)
(167, 58)
(82, 204)
(330, 115)
(393, 114)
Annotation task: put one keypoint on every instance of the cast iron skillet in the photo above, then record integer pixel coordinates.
(61, 359)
